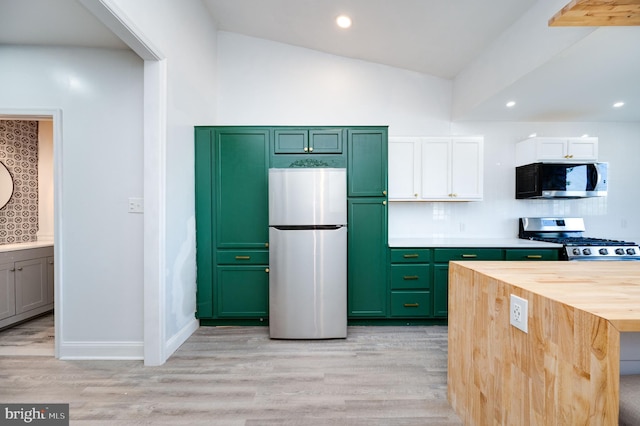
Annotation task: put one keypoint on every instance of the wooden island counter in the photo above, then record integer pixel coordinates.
(565, 370)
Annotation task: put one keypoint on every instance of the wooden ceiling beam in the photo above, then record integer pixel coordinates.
(597, 13)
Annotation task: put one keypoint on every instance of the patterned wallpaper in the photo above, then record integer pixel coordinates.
(19, 152)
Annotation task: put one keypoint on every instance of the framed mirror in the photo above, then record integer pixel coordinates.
(6, 185)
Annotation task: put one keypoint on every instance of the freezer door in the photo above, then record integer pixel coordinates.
(308, 284)
(307, 196)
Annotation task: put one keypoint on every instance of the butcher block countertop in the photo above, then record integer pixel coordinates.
(608, 289)
(474, 242)
(566, 368)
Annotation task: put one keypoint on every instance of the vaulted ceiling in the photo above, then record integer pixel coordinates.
(447, 39)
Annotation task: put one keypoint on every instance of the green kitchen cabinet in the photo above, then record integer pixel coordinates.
(367, 162)
(367, 258)
(440, 290)
(410, 292)
(242, 291)
(241, 187)
(532, 254)
(309, 141)
(231, 180)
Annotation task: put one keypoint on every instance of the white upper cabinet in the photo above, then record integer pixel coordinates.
(560, 150)
(436, 169)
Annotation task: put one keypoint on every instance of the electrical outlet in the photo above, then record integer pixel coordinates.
(136, 205)
(518, 312)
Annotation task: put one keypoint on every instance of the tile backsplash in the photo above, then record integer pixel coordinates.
(19, 153)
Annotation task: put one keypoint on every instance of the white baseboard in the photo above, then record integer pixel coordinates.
(180, 337)
(101, 350)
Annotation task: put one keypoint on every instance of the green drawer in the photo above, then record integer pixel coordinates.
(410, 255)
(445, 255)
(243, 257)
(410, 277)
(410, 304)
(528, 254)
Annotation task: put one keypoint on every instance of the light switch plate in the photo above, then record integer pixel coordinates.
(136, 205)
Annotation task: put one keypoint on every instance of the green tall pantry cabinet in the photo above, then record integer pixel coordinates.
(231, 184)
(232, 222)
(367, 222)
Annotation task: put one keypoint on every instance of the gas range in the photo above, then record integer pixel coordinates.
(568, 232)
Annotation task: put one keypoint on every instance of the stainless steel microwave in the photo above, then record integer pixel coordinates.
(561, 180)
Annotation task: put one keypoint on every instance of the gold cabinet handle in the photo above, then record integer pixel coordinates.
(243, 257)
(305, 149)
(384, 192)
(51, 262)
(266, 270)
(534, 256)
(310, 149)
(415, 195)
(384, 203)
(19, 269)
(469, 256)
(411, 277)
(411, 305)
(410, 256)
(12, 270)
(266, 244)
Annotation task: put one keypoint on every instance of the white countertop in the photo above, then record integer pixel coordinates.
(470, 242)
(25, 246)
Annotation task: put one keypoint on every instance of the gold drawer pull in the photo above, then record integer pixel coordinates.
(534, 256)
(410, 256)
(469, 256)
(266, 270)
(411, 277)
(411, 305)
(243, 257)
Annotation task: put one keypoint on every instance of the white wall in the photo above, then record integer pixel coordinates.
(186, 35)
(99, 254)
(45, 180)
(264, 82)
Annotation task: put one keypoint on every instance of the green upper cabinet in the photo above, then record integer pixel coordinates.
(241, 187)
(367, 162)
(308, 141)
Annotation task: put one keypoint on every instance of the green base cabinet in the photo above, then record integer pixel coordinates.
(410, 292)
(242, 292)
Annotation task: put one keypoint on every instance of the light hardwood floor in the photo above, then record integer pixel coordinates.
(238, 376)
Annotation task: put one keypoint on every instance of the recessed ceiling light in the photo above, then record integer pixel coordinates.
(618, 104)
(533, 135)
(343, 21)
(585, 135)
(511, 104)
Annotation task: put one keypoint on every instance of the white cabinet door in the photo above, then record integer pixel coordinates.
(466, 169)
(404, 169)
(551, 149)
(583, 149)
(31, 284)
(7, 291)
(436, 169)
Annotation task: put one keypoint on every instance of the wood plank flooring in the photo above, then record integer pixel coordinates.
(237, 376)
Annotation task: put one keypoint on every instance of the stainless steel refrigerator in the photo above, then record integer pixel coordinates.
(307, 253)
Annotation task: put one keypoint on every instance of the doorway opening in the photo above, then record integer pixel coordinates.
(28, 275)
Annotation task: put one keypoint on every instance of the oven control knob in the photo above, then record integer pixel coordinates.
(586, 251)
(603, 251)
(631, 251)
(576, 251)
(619, 251)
